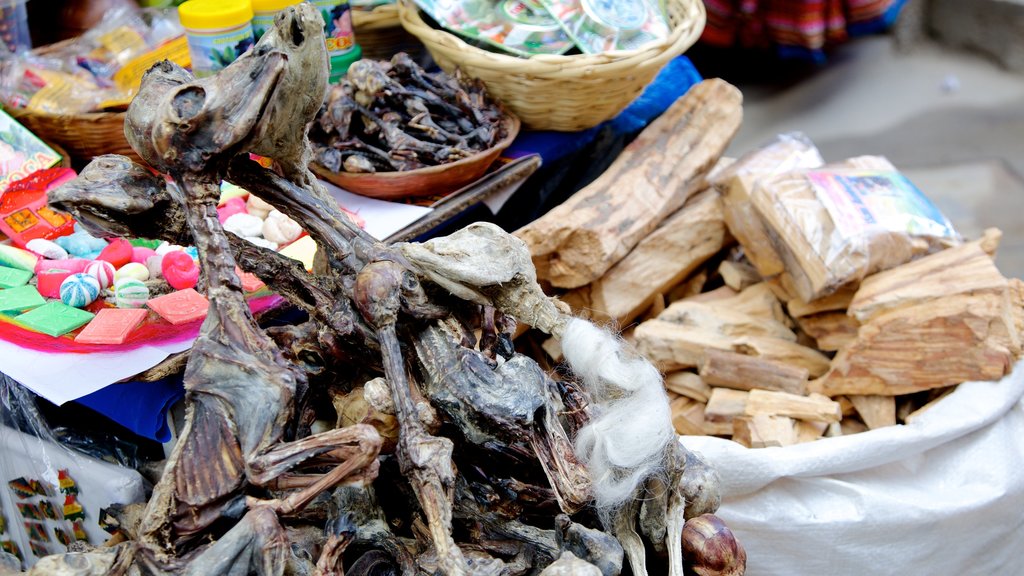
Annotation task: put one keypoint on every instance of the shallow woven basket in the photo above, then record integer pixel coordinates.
(380, 34)
(565, 93)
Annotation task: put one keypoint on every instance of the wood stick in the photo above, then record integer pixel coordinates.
(725, 404)
(674, 347)
(579, 240)
(669, 254)
(724, 319)
(839, 301)
(764, 431)
(965, 269)
(688, 384)
(938, 343)
(740, 372)
(876, 411)
(809, 431)
(816, 408)
(738, 275)
(831, 330)
(687, 416)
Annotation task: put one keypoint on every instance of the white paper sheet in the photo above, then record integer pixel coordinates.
(382, 218)
(65, 377)
(942, 495)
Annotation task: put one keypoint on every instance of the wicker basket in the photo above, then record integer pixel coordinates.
(566, 93)
(380, 34)
(82, 135)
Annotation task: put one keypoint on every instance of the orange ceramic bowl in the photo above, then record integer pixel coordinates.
(431, 181)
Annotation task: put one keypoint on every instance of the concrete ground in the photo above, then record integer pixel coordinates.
(951, 120)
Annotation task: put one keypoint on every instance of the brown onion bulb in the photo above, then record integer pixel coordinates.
(711, 549)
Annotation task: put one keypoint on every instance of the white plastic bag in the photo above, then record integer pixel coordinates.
(943, 495)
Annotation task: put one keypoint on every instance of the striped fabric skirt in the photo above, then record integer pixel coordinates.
(795, 28)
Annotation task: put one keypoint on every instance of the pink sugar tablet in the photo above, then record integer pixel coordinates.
(250, 283)
(111, 326)
(118, 252)
(180, 307)
(48, 281)
(140, 253)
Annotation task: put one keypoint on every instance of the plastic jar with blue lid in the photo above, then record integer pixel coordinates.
(218, 31)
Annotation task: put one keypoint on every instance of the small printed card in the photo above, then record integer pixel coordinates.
(21, 152)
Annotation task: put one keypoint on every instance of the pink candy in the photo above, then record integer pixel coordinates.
(230, 208)
(179, 270)
(118, 252)
(102, 271)
(73, 265)
(140, 253)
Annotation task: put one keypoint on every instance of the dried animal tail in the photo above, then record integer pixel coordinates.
(626, 440)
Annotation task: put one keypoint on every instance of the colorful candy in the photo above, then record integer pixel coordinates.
(141, 253)
(179, 270)
(102, 271)
(280, 229)
(180, 307)
(230, 208)
(118, 252)
(244, 225)
(14, 257)
(81, 244)
(46, 248)
(257, 207)
(48, 282)
(132, 270)
(155, 266)
(130, 293)
(79, 290)
(54, 318)
(168, 247)
(111, 326)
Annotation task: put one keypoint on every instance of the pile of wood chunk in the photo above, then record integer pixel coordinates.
(735, 279)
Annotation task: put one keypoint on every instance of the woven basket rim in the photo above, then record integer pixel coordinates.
(682, 36)
(383, 16)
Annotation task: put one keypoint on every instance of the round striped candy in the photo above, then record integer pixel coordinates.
(79, 290)
(102, 271)
(130, 293)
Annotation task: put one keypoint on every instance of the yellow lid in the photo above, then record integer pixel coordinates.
(214, 14)
(272, 5)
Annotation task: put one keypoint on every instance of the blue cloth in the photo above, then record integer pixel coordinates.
(138, 406)
(672, 82)
(142, 406)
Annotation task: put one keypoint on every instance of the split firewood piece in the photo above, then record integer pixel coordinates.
(965, 269)
(687, 416)
(664, 258)
(816, 408)
(725, 320)
(933, 344)
(851, 426)
(738, 275)
(692, 287)
(757, 301)
(837, 302)
(748, 229)
(688, 384)
(764, 431)
(876, 411)
(724, 404)
(674, 347)
(830, 330)
(741, 372)
(809, 431)
(1017, 304)
(578, 241)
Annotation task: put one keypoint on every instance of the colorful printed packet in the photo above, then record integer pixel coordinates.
(520, 27)
(597, 26)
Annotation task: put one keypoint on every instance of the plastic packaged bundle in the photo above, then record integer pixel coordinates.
(51, 496)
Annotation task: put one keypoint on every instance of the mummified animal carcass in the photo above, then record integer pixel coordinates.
(496, 467)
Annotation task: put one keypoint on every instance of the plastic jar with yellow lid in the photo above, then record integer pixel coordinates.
(218, 31)
(264, 11)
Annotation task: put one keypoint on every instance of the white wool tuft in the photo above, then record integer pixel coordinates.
(625, 442)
